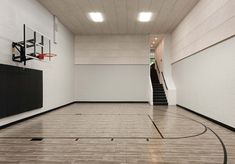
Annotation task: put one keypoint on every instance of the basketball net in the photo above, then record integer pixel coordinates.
(45, 55)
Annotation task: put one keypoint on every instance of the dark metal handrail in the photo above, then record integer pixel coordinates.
(157, 66)
(162, 74)
(164, 80)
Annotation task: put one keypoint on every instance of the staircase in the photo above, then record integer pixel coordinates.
(159, 96)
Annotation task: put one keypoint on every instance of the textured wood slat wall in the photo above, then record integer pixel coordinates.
(208, 23)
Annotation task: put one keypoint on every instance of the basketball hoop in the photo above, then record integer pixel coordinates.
(46, 55)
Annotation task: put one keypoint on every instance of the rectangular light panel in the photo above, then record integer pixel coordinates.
(145, 16)
(96, 16)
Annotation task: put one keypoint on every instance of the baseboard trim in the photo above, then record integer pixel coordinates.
(208, 118)
(111, 102)
(36, 115)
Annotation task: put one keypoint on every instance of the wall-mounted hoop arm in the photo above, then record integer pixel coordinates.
(21, 48)
(33, 46)
(21, 57)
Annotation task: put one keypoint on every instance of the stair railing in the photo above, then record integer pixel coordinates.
(161, 74)
(164, 80)
(157, 67)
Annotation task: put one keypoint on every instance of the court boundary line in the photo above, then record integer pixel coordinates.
(176, 115)
(222, 144)
(155, 126)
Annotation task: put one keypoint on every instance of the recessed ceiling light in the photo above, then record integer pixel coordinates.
(151, 45)
(153, 42)
(145, 16)
(96, 16)
(155, 38)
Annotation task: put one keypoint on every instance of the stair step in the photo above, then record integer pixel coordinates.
(160, 103)
(158, 89)
(157, 86)
(159, 95)
(159, 98)
(161, 92)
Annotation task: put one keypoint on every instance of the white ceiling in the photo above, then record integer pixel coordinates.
(120, 15)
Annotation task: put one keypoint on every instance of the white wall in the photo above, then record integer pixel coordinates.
(150, 90)
(112, 68)
(205, 80)
(112, 49)
(58, 75)
(208, 23)
(112, 83)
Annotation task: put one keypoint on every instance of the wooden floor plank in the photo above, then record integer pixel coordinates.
(116, 133)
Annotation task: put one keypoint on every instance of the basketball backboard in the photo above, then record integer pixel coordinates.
(35, 45)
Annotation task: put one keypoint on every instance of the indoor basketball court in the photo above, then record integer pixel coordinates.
(113, 133)
(117, 81)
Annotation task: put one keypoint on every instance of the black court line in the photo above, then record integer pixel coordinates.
(98, 114)
(110, 114)
(156, 127)
(186, 117)
(191, 136)
(112, 102)
(109, 137)
(37, 139)
(224, 148)
(78, 138)
(223, 145)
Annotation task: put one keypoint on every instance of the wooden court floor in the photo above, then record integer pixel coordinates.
(116, 133)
